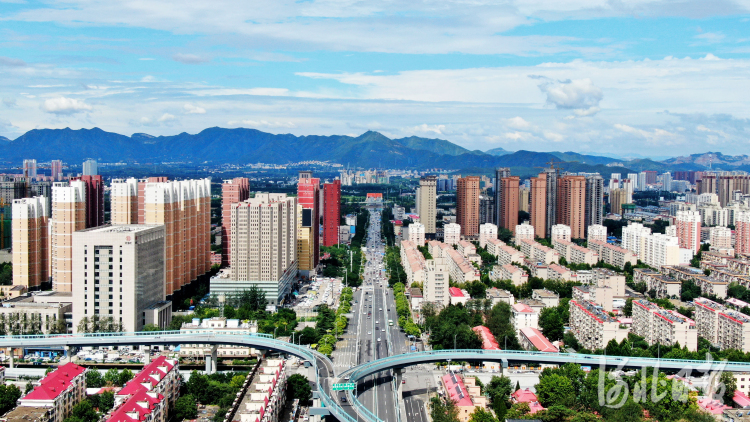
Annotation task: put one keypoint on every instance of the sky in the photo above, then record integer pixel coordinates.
(628, 78)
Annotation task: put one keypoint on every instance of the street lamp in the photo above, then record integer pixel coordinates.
(274, 331)
(454, 341)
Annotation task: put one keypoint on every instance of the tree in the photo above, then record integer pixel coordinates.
(555, 389)
(9, 394)
(298, 387)
(125, 376)
(94, 379)
(556, 414)
(499, 390)
(106, 401)
(326, 349)
(730, 385)
(551, 324)
(198, 387)
(29, 387)
(151, 327)
(83, 411)
(112, 377)
(481, 415)
(185, 408)
(443, 410)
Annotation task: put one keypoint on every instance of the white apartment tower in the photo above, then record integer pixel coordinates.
(524, 231)
(689, 230)
(123, 195)
(597, 232)
(720, 237)
(452, 233)
(119, 272)
(634, 238)
(416, 233)
(487, 231)
(560, 232)
(435, 288)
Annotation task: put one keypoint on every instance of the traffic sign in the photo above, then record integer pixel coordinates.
(344, 386)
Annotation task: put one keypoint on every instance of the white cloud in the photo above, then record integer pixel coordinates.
(517, 123)
(425, 128)
(191, 109)
(190, 58)
(710, 37)
(63, 105)
(580, 95)
(262, 124)
(166, 117)
(146, 59)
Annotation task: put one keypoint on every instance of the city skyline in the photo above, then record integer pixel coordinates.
(540, 77)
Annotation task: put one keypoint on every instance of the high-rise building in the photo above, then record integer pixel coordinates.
(30, 243)
(486, 210)
(571, 204)
(561, 232)
(118, 273)
(123, 197)
(596, 233)
(594, 214)
(427, 200)
(264, 245)
(90, 168)
(508, 215)
(742, 232)
(634, 238)
(29, 169)
(467, 205)
(94, 200)
(12, 188)
(68, 216)
(524, 197)
(552, 175)
(666, 181)
(617, 198)
(524, 231)
(184, 208)
(452, 233)
(308, 239)
(500, 174)
(641, 185)
(331, 212)
(487, 232)
(633, 177)
(416, 234)
(627, 186)
(720, 238)
(689, 230)
(56, 167)
(538, 207)
(232, 192)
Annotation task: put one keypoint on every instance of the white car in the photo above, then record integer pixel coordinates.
(369, 332)
(378, 338)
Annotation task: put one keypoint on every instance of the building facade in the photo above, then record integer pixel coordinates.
(571, 204)
(232, 192)
(467, 205)
(427, 203)
(331, 212)
(30, 242)
(68, 216)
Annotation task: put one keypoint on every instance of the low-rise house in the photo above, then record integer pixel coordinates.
(499, 295)
(59, 391)
(533, 339)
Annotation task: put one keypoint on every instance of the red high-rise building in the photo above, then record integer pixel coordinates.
(308, 196)
(232, 192)
(94, 200)
(331, 212)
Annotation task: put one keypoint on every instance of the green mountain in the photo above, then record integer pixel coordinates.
(497, 151)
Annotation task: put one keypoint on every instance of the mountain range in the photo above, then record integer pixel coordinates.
(369, 150)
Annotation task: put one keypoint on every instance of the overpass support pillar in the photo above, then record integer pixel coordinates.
(211, 357)
(68, 353)
(11, 363)
(147, 353)
(504, 367)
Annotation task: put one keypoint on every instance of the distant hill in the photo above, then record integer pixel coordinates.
(4, 139)
(438, 146)
(585, 159)
(712, 159)
(497, 151)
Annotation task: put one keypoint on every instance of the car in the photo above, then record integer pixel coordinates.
(376, 322)
(383, 330)
(369, 332)
(403, 381)
(343, 399)
(378, 338)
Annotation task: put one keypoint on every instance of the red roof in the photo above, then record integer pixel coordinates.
(526, 396)
(522, 307)
(488, 340)
(132, 410)
(455, 292)
(538, 340)
(454, 385)
(55, 382)
(741, 399)
(150, 374)
(374, 195)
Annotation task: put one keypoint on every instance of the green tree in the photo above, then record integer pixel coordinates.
(125, 376)
(443, 410)
(499, 390)
(198, 387)
(555, 414)
(151, 327)
(555, 389)
(112, 376)
(326, 349)
(83, 411)
(94, 379)
(628, 309)
(481, 415)
(9, 394)
(298, 386)
(185, 408)
(730, 385)
(551, 324)
(517, 411)
(106, 401)
(29, 387)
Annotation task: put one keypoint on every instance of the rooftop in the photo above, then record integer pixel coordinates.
(455, 292)
(121, 228)
(488, 340)
(522, 307)
(538, 340)
(456, 389)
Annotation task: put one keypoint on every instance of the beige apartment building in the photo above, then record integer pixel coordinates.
(68, 216)
(611, 254)
(602, 296)
(664, 286)
(30, 243)
(536, 251)
(119, 273)
(592, 326)
(575, 254)
(707, 319)
(264, 247)
(571, 204)
(662, 326)
(183, 208)
(509, 272)
(708, 285)
(426, 198)
(436, 284)
(415, 266)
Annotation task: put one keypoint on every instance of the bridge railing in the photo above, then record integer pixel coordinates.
(128, 334)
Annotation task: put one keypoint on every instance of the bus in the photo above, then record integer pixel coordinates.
(390, 322)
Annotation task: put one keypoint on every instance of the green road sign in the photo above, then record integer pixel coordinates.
(344, 386)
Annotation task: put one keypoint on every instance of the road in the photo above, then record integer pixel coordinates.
(368, 336)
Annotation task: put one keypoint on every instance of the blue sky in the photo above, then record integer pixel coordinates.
(647, 77)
